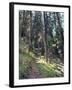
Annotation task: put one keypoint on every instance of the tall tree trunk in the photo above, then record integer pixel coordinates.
(62, 37)
(20, 25)
(59, 23)
(44, 37)
(30, 32)
(46, 34)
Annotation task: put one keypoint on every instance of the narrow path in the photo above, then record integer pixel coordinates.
(34, 72)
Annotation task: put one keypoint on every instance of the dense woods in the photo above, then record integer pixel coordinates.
(41, 44)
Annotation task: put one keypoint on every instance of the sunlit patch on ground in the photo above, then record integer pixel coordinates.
(41, 60)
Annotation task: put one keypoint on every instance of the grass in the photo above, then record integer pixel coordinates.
(25, 59)
(48, 70)
(45, 69)
(24, 65)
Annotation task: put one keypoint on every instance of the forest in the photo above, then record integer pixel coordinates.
(41, 44)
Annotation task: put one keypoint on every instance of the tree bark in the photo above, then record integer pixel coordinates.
(62, 37)
(30, 32)
(44, 38)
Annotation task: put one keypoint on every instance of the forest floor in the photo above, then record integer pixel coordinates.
(41, 69)
(34, 72)
(32, 66)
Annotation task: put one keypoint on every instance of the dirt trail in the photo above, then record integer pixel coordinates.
(34, 72)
